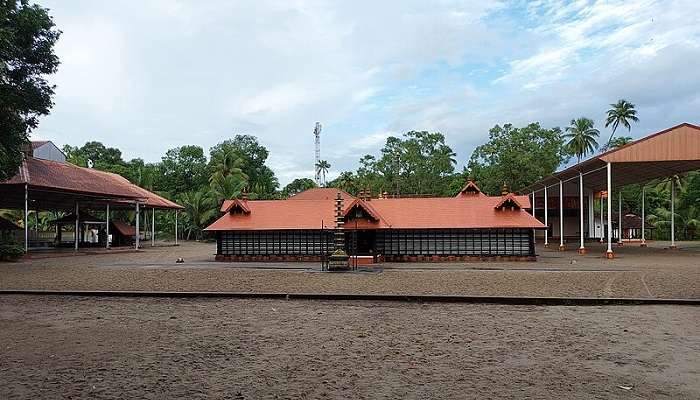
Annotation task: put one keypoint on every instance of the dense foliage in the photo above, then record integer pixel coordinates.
(420, 163)
(27, 38)
(517, 156)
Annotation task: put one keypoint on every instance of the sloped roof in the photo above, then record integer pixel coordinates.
(66, 177)
(470, 189)
(662, 154)
(227, 205)
(509, 197)
(123, 228)
(397, 213)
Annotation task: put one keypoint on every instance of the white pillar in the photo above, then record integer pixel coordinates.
(644, 242)
(561, 216)
(77, 226)
(673, 213)
(107, 230)
(176, 211)
(546, 222)
(619, 218)
(153, 227)
(602, 223)
(591, 222)
(609, 253)
(26, 218)
(534, 231)
(138, 228)
(582, 248)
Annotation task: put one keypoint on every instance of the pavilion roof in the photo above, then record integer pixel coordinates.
(660, 155)
(57, 181)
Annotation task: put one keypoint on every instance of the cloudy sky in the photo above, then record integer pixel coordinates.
(146, 76)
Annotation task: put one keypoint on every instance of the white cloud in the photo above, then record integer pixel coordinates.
(147, 76)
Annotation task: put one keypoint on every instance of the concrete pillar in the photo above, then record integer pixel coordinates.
(153, 227)
(619, 219)
(546, 222)
(673, 213)
(138, 228)
(609, 253)
(644, 242)
(107, 230)
(602, 223)
(77, 226)
(591, 218)
(26, 218)
(561, 216)
(582, 248)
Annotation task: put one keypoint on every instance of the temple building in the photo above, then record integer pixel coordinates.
(469, 226)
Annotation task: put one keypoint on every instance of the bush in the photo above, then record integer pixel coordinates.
(10, 250)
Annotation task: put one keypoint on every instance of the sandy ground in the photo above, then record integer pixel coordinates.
(651, 272)
(63, 347)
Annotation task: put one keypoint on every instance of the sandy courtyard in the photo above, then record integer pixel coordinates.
(63, 347)
(638, 273)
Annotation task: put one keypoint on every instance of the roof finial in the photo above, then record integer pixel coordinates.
(244, 194)
(504, 189)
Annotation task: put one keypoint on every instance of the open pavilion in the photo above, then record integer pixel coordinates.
(572, 191)
(46, 182)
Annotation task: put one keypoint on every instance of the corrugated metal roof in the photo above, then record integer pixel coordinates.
(662, 154)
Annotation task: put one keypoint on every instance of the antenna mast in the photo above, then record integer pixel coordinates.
(317, 134)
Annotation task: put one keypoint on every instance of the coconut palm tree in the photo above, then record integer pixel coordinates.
(225, 188)
(198, 212)
(582, 137)
(346, 181)
(230, 164)
(615, 143)
(323, 166)
(621, 113)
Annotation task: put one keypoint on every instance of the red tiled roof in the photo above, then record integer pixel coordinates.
(67, 177)
(509, 197)
(399, 213)
(228, 205)
(470, 189)
(123, 228)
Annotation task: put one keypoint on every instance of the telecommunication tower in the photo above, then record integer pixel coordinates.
(317, 135)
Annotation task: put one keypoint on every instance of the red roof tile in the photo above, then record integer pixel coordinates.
(400, 213)
(67, 177)
(123, 228)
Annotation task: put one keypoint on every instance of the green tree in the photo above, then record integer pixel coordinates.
(199, 211)
(419, 163)
(226, 188)
(616, 142)
(620, 113)
(247, 154)
(297, 186)
(582, 137)
(516, 156)
(183, 169)
(345, 181)
(27, 38)
(323, 166)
